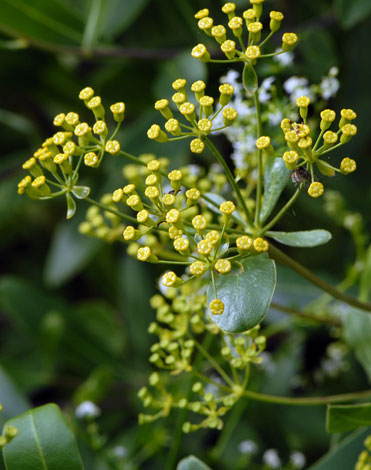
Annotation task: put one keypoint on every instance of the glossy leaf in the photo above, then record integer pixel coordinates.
(342, 418)
(276, 176)
(357, 333)
(13, 401)
(352, 12)
(71, 206)
(215, 207)
(344, 455)
(246, 292)
(81, 192)
(120, 15)
(192, 463)
(44, 442)
(325, 168)
(305, 239)
(41, 22)
(68, 254)
(249, 80)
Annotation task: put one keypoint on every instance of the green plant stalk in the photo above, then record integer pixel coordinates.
(281, 213)
(259, 188)
(230, 178)
(113, 211)
(91, 27)
(278, 255)
(306, 316)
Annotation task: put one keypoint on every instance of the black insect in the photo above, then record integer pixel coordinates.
(301, 176)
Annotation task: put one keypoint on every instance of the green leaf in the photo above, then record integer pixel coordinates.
(342, 418)
(11, 398)
(44, 442)
(306, 239)
(69, 252)
(357, 333)
(249, 79)
(276, 176)
(192, 463)
(215, 207)
(71, 206)
(121, 14)
(43, 23)
(365, 280)
(353, 12)
(344, 455)
(325, 168)
(81, 192)
(246, 292)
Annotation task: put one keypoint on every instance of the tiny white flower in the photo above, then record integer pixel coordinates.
(329, 86)
(275, 118)
(297, 459)
(247, 447)
(285, 59)
(264, 96)
(271, 458)
(267, 83)
(293, 83)
(87, 409)
(120, 451)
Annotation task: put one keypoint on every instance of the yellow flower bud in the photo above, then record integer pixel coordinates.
(316, 189)
(179, 98)
(199, 223)
(263, 142)
(86, 94)
(219, 33)
(129, 189)
(227, 207)
(175, 233)
(154, 165)
(276, 18)
(100, 128)
(134, 202)
(302, 103)
(290, 158)
(201, 14)
(181, 244)
(216, 307)
(117, 195)
(131, 234)
(347, 166)
(72, 119)
(330, 138)
(226, 91)
(172, 216)
(151, 180)
(229, 115)
(198, 89)
(206, 23)
(200, 52)
(163, 107)
(229, 48)
(249, 16)
(235, 24)
(347, 115)
(152, 192)
(204, 247)
(223, 266)
(145, 254)
(192, 195)
(59, 119)
(253, 53)
(213, 237)
(144, 218)
(172, 126)
(118, 111)
(188, 110)
(170, 279)
(156, 133)
(229, 8)
(260, 245)
(243, 244)
(197, 146)
(204, 125)
(327, 118)
(255, 29)
(95, 105)
(198, 268)
(348, 131)
(113, 147)
(289, 41)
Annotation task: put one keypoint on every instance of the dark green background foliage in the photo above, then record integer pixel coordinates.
(74, 312)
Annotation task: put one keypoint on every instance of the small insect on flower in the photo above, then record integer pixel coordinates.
(301, 176)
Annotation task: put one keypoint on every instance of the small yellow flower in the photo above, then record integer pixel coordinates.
(175, 233)
(227, 207)
(39, 181)
(95, 105)
(276, 18)
(59, 119)
(235, 24)
(219, 33)
(197, 146)
(91, 159)
(193, 194)
(151, 180)
(179, 98)
(156, 133)
(131, 234)
(179, 84)
(154, 165)
(188, 110)
(128, 189)
(206, 23)
(198, 268)
(60, 158)
(202, 14)
(172, 126)
(228, 8)
(249, 15)
(72, 119)
(330, 138)
(229, 48)
(100, 128)
(223, 266)
(59, 138)
(143, 216)
(302, 102)
(172, 216)
(253, 52)
(204, 125)
(112, 147)
(348, 165)
(152, 192)
(244, 243)
(175, 175)
(198, 88)
(316, 189)
(255, 27)
(118, 111)
(229, 115)
(204, 247)
(134, 202)
(163, 107)
(305, 143)
(216, 307)
(348, 115)
(213, 237)
(170, 279)
(290, 158)
(263, 142)
(145, 254)
(286, 125)
(260, 245)
(181, 244)
(199, 223)
(291, 137)
(200, 52)
(328, 115)
(117, 195)
(82, 129)
(23, 184)
(168, 199)
(348, 131)
(288, 41)
(86, 94)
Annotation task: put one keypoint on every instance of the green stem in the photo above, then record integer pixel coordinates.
(109, 209)
(266, 39)
(259, 188)
(307, 316)
(91, 27)
(230, 178)
(132, 158)
(278, 255)
(307, 401)
(284, 209)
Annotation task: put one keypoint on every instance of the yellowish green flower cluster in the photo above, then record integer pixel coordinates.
(61, 155)
(241, 40)
(179, 320)
(198, 119)
(364, 459)
(303, 153)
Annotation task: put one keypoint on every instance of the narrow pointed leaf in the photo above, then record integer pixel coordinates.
(71, 206)
(192, 463)
(249, 79)
(44, 442)
(276, 176)
(325, 168)
(81, 192)
(305, 239)
(342, 418)
(246, 292)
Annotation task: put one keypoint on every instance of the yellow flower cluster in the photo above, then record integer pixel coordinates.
(198, 122)
(236, 47)
(303, 153)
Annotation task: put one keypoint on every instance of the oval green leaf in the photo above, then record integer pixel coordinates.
(71, 206)
(305, 239)
(81, 192)
(249, 80)
(325, 168)
(192, 463)
(342, 418)
(246, 292)
(44, 442)
(276, 176)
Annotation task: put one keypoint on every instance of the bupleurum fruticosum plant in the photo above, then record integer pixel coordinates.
(220, 279)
